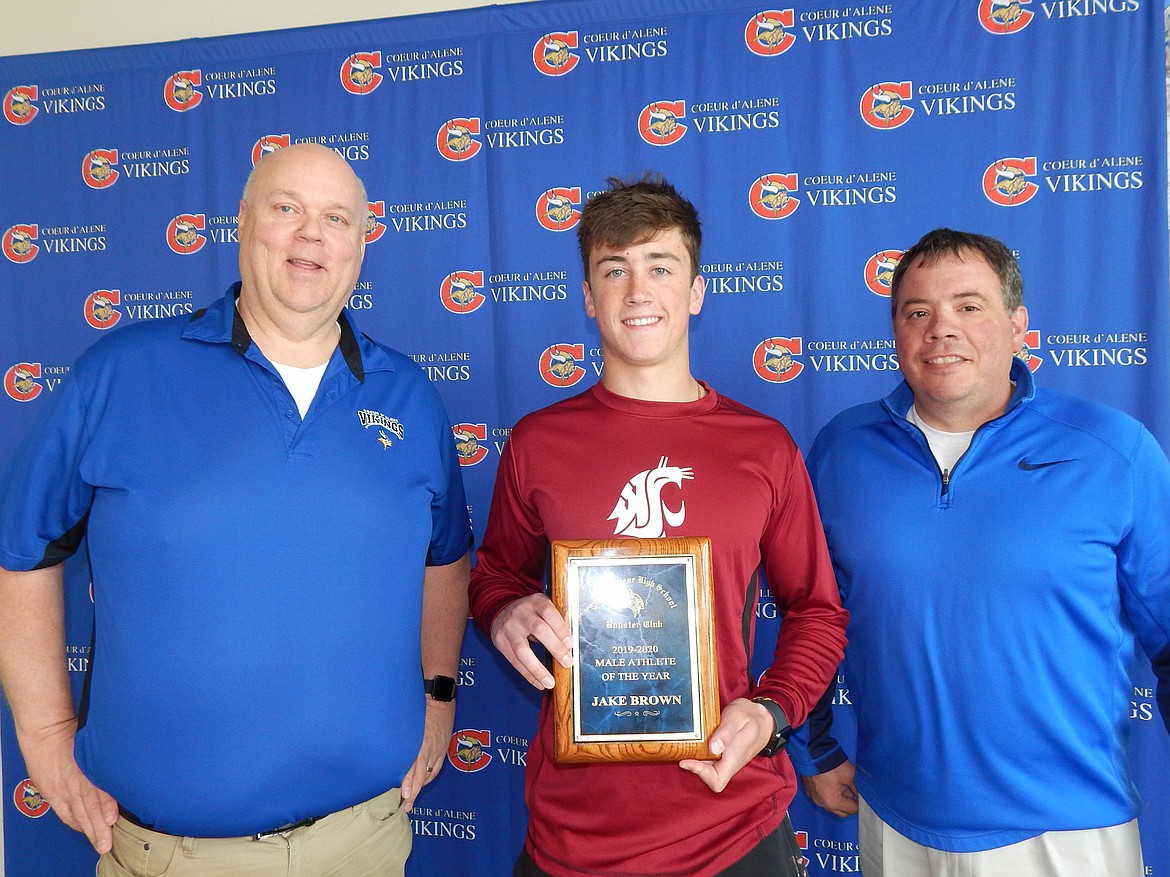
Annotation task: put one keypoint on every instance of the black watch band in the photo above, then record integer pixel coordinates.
(440, 688)
(781, 730)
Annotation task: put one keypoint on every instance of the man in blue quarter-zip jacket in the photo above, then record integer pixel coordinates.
(988, 658)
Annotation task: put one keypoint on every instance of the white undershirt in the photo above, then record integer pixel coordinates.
(302, 383)
(947, 447)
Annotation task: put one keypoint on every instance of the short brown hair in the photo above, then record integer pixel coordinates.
(633, 212)
(942, 242)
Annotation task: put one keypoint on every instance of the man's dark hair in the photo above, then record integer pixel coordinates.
(633, 212)
(942, 242)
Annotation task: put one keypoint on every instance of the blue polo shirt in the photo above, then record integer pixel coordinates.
(257, 577)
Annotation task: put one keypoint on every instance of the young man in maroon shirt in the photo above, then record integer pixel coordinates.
(667, 456)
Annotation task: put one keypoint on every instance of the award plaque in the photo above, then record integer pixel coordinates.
(643, 686)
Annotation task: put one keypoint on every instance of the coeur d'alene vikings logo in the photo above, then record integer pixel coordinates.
(884, 105)
(879, 271)
(29, 801)
(770, 33)
(359, 72)
(19, 108)
(1004, 16)
(470, 442)
(18, 243)
(467, 750)
(460, 291)
(97, 168)
(183, 235)
(21, 381)
(560, 364)
(1025, 355)
(1006, 183)
(771, 196)
(181, 90)
(100, 308)
(557, 208)
(552, 53)
(773, 362)
(375, 213)
(269, 144)
(456, 141)
(658, 123)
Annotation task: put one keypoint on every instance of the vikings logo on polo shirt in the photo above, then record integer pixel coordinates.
(387, 426)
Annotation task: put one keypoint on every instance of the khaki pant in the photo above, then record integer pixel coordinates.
(1115, 851)
(368, 840)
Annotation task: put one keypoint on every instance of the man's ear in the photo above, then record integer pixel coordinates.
(1019, 327)
(698, 289)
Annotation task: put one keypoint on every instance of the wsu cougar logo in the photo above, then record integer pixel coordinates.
(641, 511)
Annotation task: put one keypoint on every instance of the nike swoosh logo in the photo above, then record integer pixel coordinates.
(1032, 467)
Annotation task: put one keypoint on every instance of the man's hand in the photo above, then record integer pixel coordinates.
(440, 722)
(532, 619)
(77, 802)
(36, 681)
(833, 790)
(744, 729)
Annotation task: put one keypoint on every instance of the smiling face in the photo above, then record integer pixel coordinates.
(956, 339)
(642, 296)
(302, 236)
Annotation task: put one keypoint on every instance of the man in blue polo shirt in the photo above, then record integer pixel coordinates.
(274, 514)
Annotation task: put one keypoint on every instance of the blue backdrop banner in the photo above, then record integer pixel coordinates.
(818, 140)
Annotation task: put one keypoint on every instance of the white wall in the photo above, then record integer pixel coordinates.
(59, 25)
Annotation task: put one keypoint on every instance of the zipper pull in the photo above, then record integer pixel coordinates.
(946, 479)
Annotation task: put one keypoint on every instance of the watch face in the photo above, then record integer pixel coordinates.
(440, 688)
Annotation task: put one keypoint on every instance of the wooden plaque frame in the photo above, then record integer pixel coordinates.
(643, 685)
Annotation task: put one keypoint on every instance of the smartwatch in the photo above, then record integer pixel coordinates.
(781, 730)
(440, 688)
